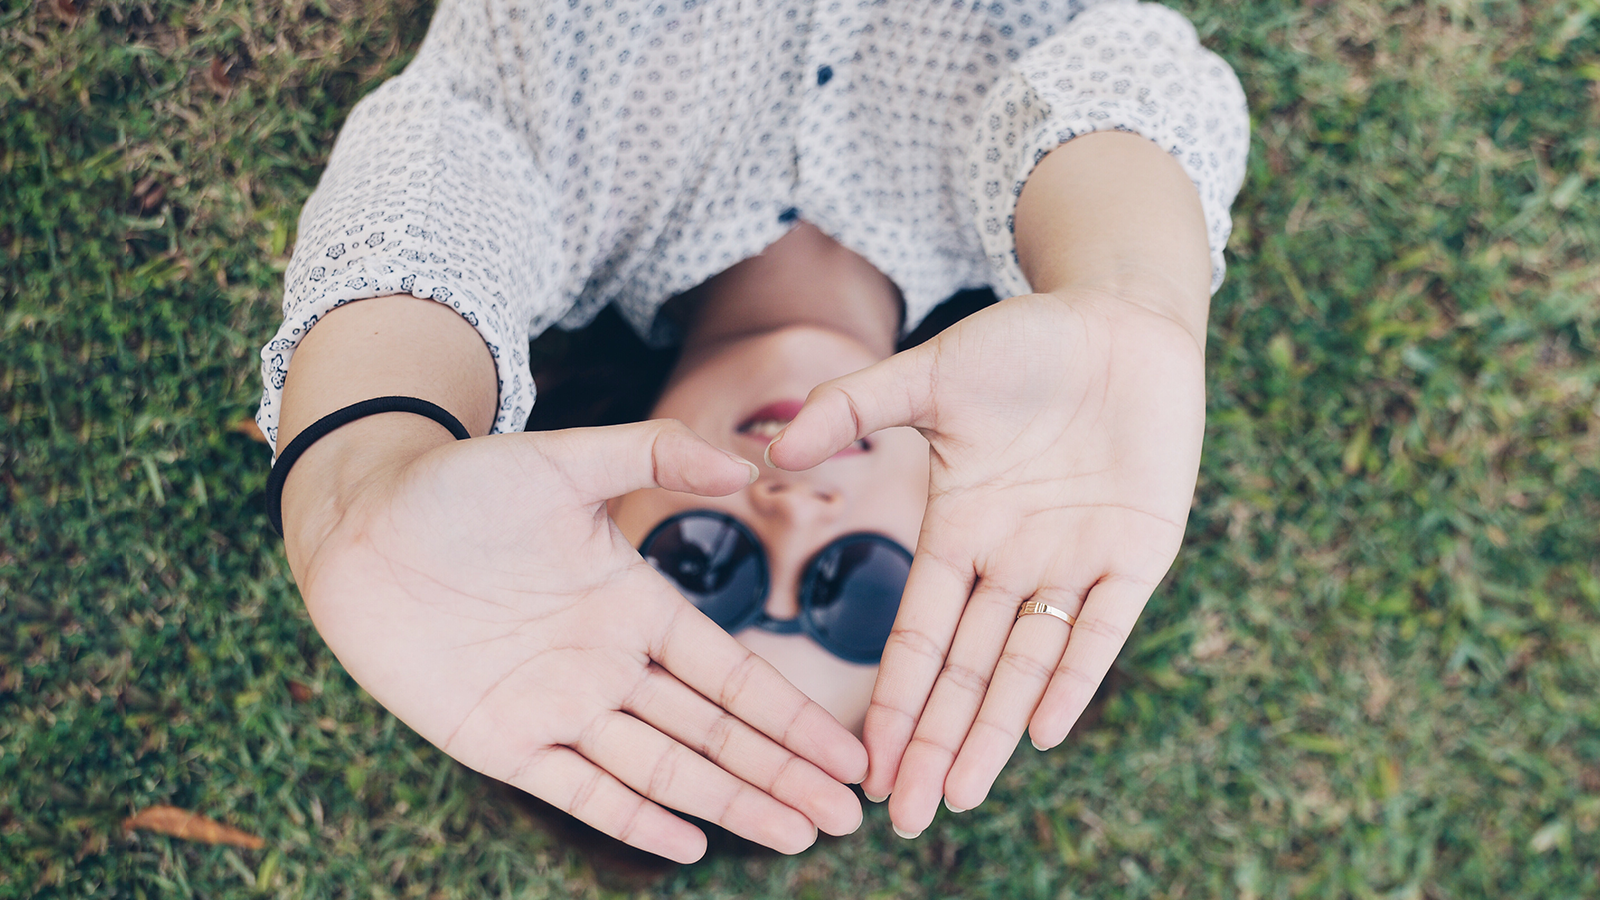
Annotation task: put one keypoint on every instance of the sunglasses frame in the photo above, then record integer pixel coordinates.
(757, 616)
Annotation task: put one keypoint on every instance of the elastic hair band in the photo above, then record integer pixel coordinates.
(340, 417)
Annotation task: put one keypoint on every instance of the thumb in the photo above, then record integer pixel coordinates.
(896, 391)
(607, 462)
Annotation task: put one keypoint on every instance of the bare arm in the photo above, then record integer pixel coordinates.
(1111, 211)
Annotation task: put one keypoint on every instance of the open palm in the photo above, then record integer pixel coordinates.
(1065, 440)
(484, 596)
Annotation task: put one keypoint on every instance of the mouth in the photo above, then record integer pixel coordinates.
(769, 421)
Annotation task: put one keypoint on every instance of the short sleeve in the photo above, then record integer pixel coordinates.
(1134, 67)
(428, 192)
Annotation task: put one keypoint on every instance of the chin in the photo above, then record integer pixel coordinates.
(788, 361)
(842, 688)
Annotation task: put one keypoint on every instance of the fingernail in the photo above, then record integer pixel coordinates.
(873, 798)
(754, 472)
(954, 809)
(910, 837)
(767, 453)
(1038, 746)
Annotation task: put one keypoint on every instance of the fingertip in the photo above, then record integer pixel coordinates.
(965, 798)
(754, 473)
(688, 849)
(883, 766)
(914, 801)
(681, 460)
(848, 767)
(848, 824)
(1043, 739)
(796, 447)
(832, 807)
(856, 766)
(977, 766)
(747, 469)
(833, 749)
(784, 451)
(876, 787)
(801, 846)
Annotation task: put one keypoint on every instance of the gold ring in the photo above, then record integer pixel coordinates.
(1036, 608)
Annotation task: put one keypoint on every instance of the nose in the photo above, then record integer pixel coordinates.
(789, 513)
(795, 501)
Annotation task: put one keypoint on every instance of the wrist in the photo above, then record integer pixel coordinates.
(1152, 292)
(356, 461)
(384, 347)
(1112, 213)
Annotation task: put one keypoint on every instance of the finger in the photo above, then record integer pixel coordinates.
(666, 703)
(703, 656)
(567, 781)
(1022, 673)
(953, 705)
(840, 412)
(671, 774)
(601, 463)
(1108, 616)
(936, 592)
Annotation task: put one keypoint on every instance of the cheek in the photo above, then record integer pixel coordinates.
(905, 483)
(843, 689)
(694, 408)
(636, 513)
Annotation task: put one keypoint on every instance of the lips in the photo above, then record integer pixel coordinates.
(769, 421)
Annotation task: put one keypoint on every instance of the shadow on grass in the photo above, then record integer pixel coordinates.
(616, 867)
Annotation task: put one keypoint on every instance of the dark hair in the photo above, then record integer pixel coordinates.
(603, 374)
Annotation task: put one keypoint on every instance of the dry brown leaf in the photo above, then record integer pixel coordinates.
(188, 826)
(220, 79)
(299, 692)
(248, 428)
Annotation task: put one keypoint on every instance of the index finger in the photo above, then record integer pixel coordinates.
(936, 594)
(700, 654)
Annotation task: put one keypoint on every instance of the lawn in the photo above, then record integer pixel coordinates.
(1372, 672)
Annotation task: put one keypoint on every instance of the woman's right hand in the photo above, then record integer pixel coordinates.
(481, 593)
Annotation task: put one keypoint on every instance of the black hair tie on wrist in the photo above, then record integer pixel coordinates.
(338, 418)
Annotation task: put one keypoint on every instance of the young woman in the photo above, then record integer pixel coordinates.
(808, 182)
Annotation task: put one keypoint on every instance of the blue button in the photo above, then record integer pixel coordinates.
(824, 75)
(788, 215)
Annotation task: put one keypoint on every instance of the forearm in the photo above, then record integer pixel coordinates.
(1112, 211)
(386, 346)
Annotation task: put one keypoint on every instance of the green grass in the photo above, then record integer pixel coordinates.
(1371, 674)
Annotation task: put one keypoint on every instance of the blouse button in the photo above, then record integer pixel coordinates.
(824, 75)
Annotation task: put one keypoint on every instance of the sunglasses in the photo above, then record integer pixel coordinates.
(849, 591)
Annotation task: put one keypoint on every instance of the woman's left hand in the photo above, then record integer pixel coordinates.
(1065, 436)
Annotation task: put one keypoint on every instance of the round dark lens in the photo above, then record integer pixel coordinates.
(711, 561)
(853, 594)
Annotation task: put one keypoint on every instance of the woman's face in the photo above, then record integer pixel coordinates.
(738, 398)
